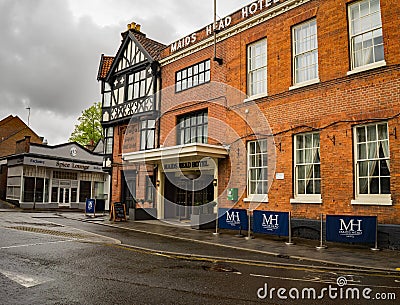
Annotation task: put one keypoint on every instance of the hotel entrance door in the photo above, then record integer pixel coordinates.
(182, 194)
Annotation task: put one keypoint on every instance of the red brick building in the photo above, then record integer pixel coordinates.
(12, 130)
(297, 107)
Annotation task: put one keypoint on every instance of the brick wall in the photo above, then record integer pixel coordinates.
(12, 129)
(332, 106)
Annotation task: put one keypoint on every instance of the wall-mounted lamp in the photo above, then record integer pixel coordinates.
(215, 182)
(158, 183)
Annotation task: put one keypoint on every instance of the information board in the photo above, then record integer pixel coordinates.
(273, 223)
(118, 211)
(233, 219)
(90, 206)
(351, 229)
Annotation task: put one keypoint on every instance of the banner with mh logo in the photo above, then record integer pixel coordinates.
(233, 219)
(273, 223)
(351, 229)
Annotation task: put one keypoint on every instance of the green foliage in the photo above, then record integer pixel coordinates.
(89, 130)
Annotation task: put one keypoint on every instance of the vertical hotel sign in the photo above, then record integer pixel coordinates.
(222, 24)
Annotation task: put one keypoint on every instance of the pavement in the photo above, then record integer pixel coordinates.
(343, 255)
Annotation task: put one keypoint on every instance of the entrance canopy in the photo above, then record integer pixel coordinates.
(181, 151)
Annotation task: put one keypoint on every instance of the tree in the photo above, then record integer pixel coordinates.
(89, 130)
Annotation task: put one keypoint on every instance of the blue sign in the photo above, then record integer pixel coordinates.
(90, 206)
(351, 229)
(233, 219)
(273, 223)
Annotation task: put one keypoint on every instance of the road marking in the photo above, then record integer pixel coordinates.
(37, 244)
(26, 281)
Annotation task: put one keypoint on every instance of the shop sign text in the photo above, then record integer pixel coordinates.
(222, 24)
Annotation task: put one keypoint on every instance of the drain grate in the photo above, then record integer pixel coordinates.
(220, 268)
(48, 232)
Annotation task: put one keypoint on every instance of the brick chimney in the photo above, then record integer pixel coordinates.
(23, 146)
(133, 27)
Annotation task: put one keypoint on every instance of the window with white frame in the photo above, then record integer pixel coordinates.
(106, 95)
(257, 168)
(147, 134)
(305, 52)
(108, 140)
(372, 160)
(257, 68)
(366, 37)
(193, 76)
(307, 164)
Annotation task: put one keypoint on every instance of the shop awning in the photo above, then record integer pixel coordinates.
(177, 152)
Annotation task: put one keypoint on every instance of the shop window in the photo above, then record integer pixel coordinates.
(193, 128)
(307, 166)
(54, 194)
(33, 189)
(257, 159)
(85, 191)
(366, 37)
(305, 52)
(372, 158)
(193, 76)
(257, 68)
(65, 175)
(99, 189)
(147, 134)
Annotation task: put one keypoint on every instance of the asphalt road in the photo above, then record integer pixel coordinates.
(41, 268)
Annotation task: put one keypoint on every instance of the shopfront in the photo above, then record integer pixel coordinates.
(47, 181)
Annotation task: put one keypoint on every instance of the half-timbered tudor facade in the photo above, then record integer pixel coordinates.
(129, 83)
(296, 107)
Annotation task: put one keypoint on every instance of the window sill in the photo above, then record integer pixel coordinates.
(306, 200)
(257, 198)
(371, 200)
(304, 84)
(368, 67)
(255, 97)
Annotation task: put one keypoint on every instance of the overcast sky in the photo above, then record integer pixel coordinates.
(50, 51)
